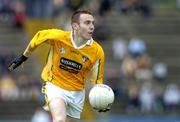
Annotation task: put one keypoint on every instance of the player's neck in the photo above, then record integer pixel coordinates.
(79, 41)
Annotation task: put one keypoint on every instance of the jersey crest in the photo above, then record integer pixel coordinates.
(62, 50)
(85, 58)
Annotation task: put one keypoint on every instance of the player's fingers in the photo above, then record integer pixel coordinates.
(22, 65)
(105, 110)
(11, 66)
(100, 111)
(108, 109)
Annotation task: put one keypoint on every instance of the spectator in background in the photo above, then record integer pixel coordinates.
(58, 7)
(94, 6)
(125, 6)
(105, 6)
(39, 8)
(118, 5)
(128, 68)
(159, 104)
(136, 47)
(160, 71)
(119, 48)
(6, 10)
(19, 14)
(13, 12)
(171, 97)
(24, 87)
(8, 88)
(41, 115)
(143, 71)
(74, 4)
(146, 97)
(133, 99)
(142, 7)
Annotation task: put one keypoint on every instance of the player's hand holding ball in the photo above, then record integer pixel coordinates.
(101, 97)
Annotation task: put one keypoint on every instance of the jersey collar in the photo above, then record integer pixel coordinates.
(89, 42)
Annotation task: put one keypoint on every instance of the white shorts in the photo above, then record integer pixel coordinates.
(74, 100)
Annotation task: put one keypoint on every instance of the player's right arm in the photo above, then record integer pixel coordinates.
(39, 38)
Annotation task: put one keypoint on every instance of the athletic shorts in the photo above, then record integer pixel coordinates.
(74, 100)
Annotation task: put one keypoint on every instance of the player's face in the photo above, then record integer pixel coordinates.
(86, 26)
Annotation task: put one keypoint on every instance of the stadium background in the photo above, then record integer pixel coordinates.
(141, 43)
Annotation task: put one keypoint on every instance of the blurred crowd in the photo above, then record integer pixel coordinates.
(139, 82)
(16, 11)
(135, 79)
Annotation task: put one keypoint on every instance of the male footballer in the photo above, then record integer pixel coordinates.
(72, 57)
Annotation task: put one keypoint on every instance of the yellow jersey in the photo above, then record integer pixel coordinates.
(69, 66)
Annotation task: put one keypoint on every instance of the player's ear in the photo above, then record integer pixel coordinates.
(74, 26)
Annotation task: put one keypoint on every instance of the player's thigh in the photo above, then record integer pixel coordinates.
(57, 108)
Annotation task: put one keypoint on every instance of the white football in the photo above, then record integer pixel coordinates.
(101, 97)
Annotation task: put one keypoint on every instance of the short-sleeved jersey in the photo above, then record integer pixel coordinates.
(68, 66)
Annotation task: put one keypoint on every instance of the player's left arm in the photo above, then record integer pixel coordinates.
(97, 71)
(97, 76)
